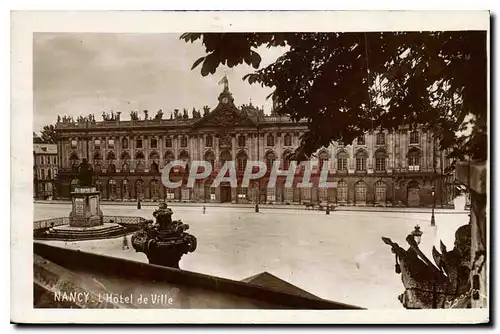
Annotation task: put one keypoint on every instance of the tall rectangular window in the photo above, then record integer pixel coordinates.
(361, 164)
(73, 144)
(342, 164)
(380, 164)
(414, 137)
(138, 143)
(97, 144)
(361, 140)
(184, 141)
(111, 144)
(168, 142)
(154, 143)
(380, 138)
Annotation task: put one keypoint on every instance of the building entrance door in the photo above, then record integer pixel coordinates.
(413, 195)
(225, 193)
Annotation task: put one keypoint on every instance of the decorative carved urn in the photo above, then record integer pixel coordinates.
(164, 241)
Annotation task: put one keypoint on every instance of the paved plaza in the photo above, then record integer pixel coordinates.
(340, 256)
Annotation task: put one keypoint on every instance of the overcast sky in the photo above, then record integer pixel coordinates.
(78, 74)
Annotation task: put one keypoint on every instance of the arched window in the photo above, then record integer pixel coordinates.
(270, 140)
(184, 141)
(342, 191)
(342, 157)
(154, 189)
(125, 189)
(413, 191)
(380, 138)
(380, 192)
(112, 188)
(125, 166)
(242, 161)
(414, 137)
(125, 156)
(414, 160)
(168, 156)
(168, 142)
(322, 159)
(139, 166)
(210, 157)
(154, 155)
(270, 157)
(380, 157)
(111, 168)
(154, 167)
(111, 156)
(139, 156)
(225, 156)
(286, 159)
(361, 160)
(125, 143)
(139, 189)
(184, 155)
(288, 140)
(360, 192)
(209, 141)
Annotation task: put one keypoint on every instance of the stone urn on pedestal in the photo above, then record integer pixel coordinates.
(165, 241)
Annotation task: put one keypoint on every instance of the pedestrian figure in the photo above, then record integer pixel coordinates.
(139, 204)
(125, 242)
(204, 209)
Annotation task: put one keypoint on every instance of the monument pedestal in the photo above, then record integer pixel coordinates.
(86, 211)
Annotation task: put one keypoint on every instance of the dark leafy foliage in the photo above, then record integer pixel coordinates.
(345, 84)
(47, 135)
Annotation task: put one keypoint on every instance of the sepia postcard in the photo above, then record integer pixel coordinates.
(250, 167)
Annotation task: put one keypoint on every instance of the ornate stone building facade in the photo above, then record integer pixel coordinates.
(381, 168)
(45, 162)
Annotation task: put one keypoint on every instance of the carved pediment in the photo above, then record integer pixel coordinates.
(226, 115)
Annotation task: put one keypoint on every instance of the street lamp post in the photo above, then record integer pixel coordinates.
(433, 220)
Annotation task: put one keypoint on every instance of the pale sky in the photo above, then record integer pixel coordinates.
(82, 73)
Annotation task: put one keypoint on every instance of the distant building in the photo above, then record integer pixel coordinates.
(382, 168)
(45, 165)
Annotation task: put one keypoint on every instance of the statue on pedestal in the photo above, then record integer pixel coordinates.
(85, 174)
(85, 198)
(165, 241)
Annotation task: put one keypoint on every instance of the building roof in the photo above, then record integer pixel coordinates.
(45, 148)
